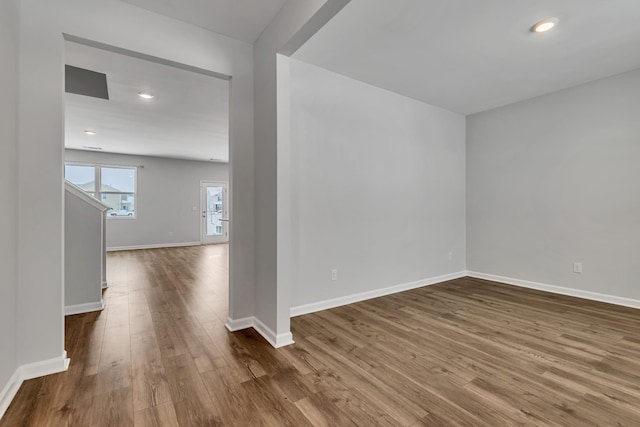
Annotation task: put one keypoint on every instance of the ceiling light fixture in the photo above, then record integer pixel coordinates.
(145, 95)
(90, 132)
(544, 25)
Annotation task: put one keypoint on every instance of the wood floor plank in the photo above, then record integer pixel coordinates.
(466, 352)
(149, 380)
(322, 411)
(114, 408)
(190, 397)
(227, 396)
(163, 415)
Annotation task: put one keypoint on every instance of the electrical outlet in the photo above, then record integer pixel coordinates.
(334, 274)
(170, 233)
(450, 255)
(577, 267)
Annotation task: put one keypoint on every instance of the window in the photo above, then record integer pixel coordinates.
(114, 186)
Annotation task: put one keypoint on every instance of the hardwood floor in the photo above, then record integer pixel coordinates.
(464, 352)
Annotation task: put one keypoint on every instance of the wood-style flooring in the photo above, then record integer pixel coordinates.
(465, 352)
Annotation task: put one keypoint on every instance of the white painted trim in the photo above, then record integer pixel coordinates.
(353, 298)
(84, 196)
(276, 341)
(239, 324)
(155, 246)
(44, 367)
(83, 308)
(27, 372)
(594, 296)
(283, 340)
(105, 285)
(9, 391)
(265, 331)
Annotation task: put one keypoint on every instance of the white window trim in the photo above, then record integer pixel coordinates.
(98, 184)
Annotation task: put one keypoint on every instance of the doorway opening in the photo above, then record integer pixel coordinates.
(169, 124)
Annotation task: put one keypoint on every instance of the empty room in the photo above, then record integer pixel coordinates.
(426, 213)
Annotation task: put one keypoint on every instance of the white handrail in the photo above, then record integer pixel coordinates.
(84, 196)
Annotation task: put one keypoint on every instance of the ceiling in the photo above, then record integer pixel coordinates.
(469, 56)
(188, 117)
(241, 19)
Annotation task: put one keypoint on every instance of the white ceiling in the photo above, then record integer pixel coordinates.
(241, 19)
(469, 56)
(188, 118)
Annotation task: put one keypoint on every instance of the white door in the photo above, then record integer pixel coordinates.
(215, 212)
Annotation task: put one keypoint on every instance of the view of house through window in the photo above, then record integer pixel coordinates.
(214, 211)
(114, 186)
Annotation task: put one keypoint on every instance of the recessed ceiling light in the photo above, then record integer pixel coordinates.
(544, 25)
(145, 95)
(90, 132)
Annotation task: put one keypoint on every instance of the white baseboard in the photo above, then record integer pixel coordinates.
(283, 340)
(239, 324)
(277, 341)
(83, 308)
(27, 372)
(45, 367)
(155, 246)
(350, 299)
(572, 292)
(9, 391)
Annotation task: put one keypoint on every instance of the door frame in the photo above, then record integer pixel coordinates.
(225, 207)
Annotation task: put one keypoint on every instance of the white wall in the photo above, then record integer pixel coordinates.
(168, 189)
(39, 306)
(8, 217)
(379, 187)
(294, 24)
(554, 180)
(83, 250)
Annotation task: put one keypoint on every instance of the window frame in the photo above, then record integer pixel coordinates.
(97, 179)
